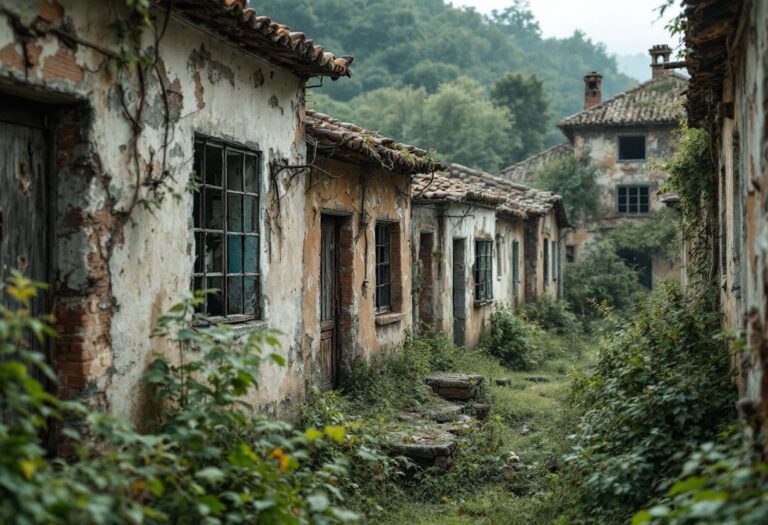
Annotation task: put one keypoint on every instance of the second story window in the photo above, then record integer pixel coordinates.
(483, 270)
(632, 148)
(633, 200)
(383, 267)
(226, 226)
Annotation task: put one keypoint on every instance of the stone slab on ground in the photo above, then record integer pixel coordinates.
(460, 387)
(424, 447)
(444, 412)
(537, 379)
(503, 381)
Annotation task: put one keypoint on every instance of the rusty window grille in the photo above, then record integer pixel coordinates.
(226, 228)
(483, 270)
(633, 200)
(383, 267)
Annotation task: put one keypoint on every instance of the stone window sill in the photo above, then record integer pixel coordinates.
(483, 302)
(388, 318)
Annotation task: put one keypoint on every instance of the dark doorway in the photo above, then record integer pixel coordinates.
(329, 301)
(459, 291)
(426, 297)
(640, 262)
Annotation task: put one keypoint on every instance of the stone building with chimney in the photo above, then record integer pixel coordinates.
(623, 137)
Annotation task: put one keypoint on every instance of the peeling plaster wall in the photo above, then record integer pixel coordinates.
(509, 230)
(452, 221)
(386, 198)
(601, 148)
(743, 158)
(214, 89)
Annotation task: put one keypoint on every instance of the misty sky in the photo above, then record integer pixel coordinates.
(625, 26)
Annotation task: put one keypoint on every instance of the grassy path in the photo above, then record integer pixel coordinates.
(534, 420)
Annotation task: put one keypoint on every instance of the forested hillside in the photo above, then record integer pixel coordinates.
(417, 57)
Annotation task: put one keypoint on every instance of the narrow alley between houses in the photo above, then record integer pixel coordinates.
(458, 266)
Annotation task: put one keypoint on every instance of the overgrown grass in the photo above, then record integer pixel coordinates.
(529, 418)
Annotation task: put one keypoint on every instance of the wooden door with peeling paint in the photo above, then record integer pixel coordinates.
(24, 216)
(24, 202)
(329, 302)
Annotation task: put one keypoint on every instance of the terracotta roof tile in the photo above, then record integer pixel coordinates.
(439, 187)
(522, 171)
(260, 34)
(355, 142)
(653, 102)
(519, 200)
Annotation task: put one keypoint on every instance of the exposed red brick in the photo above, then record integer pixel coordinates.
(62, 66)
(11, 58)
(50, 11)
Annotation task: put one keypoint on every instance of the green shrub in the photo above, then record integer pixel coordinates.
(720, 483)
(552, 315)
(512, 340)
(600, 277)
(208, 460)
(661, 386)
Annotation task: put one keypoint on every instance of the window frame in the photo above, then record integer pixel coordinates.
(621, 159)
(201, 228)
(627, 205)
(379, 266)
(483, 270)
(546, 261)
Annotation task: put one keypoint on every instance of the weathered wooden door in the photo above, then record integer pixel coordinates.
(329, 302)
(23, 195)
(459, 291)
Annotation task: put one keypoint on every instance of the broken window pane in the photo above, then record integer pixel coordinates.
(214, 253)
(213, 165)
(213, 209)
(251, 295)
(214, 303)
(235, 170)
(251, 174)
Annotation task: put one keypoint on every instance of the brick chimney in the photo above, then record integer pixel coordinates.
(593, 93)
(659, 56)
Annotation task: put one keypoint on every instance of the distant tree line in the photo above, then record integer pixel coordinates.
(423, 68)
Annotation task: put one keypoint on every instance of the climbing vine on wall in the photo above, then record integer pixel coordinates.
(134, 65)
(693, 177)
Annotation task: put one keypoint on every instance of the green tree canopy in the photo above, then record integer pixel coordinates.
(525, 99)
(576, 181)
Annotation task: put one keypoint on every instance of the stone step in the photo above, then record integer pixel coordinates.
(426, 448)
(460, 387)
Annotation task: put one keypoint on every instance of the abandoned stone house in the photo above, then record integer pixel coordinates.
(477, 240)
(90, 151)
(358, 219)
(728, 95)
(535, 218)
(622, 137)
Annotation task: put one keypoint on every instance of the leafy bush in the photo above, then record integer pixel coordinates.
(600, 277)
(552, 315)
(655, 235)
(660, 387)
(207, 461)
(512, 340)
(720, 483)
